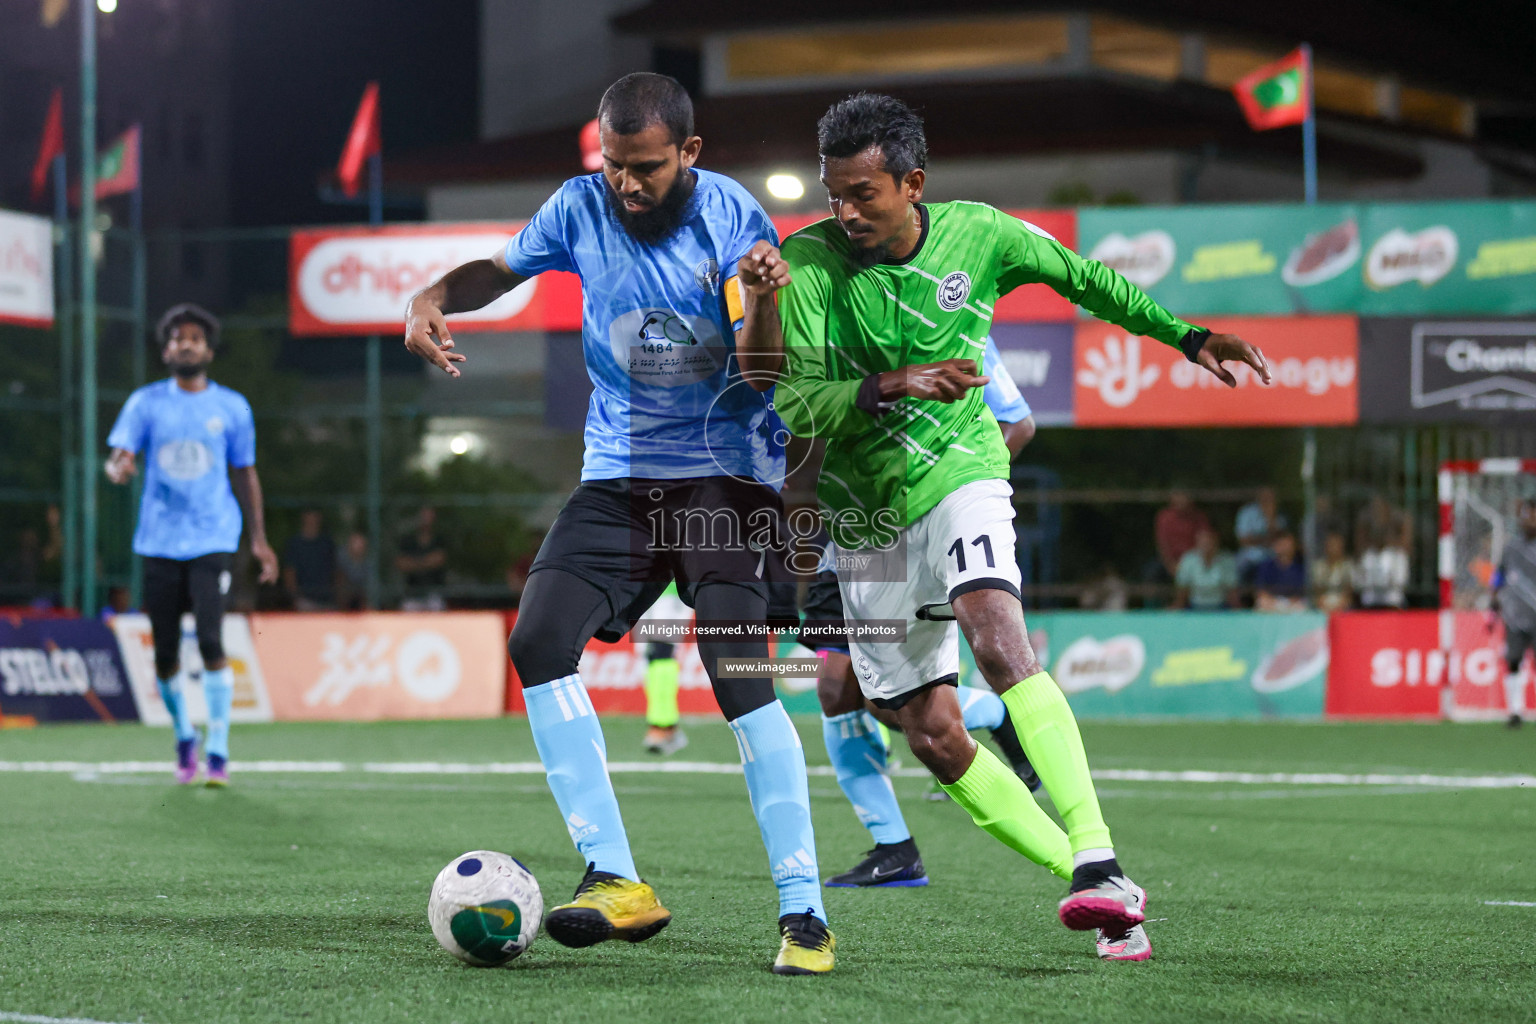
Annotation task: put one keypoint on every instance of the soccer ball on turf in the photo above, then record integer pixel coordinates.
(485, 908)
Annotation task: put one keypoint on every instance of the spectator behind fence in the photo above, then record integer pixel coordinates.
(1332, 576)
(1176, 527)
(1257, 524)
(422, 561)
(352, 573)
(309, 565)
(1106, 592)
(1207, 576)
(1281, 579)
(1318, 524)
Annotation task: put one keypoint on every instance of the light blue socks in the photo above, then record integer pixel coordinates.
(774, 764)
(570, 743)
(219, 692)
(859, 757)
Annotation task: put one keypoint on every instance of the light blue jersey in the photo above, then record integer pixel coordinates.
(1001, 394)
(658, 333)
(190, 441)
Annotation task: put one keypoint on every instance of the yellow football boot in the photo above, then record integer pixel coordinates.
(807, 948)
(607, 906)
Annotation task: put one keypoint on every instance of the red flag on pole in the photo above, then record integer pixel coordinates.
(1276, 94)
(52, 144)
(363, 141)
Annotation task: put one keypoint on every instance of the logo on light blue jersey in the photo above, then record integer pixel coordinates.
(707, 276)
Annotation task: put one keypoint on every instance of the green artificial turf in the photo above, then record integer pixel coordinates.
(302, 896)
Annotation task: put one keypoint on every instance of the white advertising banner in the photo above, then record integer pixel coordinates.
(358, 280)
(251, 703)
(26, 269)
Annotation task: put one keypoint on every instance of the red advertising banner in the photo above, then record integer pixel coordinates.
(614, 675)
(1121, 380)
(1385, 665)
(376, 665)
(1415, 664)
(357, 280)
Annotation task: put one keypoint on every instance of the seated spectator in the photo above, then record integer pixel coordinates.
(1175, 528)
(422, 561)
(309, 565)
(1281, 580)
(1381, 577)
(1206, 576)
(1333, 576)
(1257, 524)
(1106, 592)
(352, 573)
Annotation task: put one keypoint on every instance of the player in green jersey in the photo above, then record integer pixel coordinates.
(884, 320)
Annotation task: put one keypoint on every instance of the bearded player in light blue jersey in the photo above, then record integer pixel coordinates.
(684, 461)
(199, 441)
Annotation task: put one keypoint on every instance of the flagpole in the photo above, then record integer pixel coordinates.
(89, 445)
(374, 401)
(140, 338)
(69, 514)
(1309, 131)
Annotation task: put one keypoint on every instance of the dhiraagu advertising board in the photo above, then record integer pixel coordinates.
(1217, 665)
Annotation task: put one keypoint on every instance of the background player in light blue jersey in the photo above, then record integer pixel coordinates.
(684, 460)
(854, 743)
(199, 441)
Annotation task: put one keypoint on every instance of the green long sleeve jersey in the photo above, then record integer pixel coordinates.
(844, 321)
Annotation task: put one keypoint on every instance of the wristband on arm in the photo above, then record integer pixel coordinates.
(1193, 341)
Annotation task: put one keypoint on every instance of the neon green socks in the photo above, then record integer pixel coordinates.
(661, 678)
(1005, 810)
(1048, 730)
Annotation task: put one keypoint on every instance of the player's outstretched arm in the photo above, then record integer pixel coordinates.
(247, 488)
(760, 341)
(1030, 256)
(472, 286)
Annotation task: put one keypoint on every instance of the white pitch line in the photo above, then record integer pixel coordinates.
(1506, 903)
(33, 1018)
(724, 768)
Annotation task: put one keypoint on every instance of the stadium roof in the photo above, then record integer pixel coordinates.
(1481, 47)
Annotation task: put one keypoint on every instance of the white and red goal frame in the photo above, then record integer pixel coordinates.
(1449, 471)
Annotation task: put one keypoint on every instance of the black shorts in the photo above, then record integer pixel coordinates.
(173, 587)
(1516, 643)
(631, 537)
(821, 624)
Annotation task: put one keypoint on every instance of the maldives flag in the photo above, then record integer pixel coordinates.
(363, 141)
(52, 144)
(117, 169)
(1276, 94)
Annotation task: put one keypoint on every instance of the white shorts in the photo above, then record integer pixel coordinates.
(964, 543)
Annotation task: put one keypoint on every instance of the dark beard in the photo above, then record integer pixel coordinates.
(874, 254)
(187, 371)
(658, 223)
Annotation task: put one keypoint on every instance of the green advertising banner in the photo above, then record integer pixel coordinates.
(1373, 259)
(1216, 665)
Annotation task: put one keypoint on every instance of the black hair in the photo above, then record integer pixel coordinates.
(637, 101)
(868, 119)
(187, 313)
